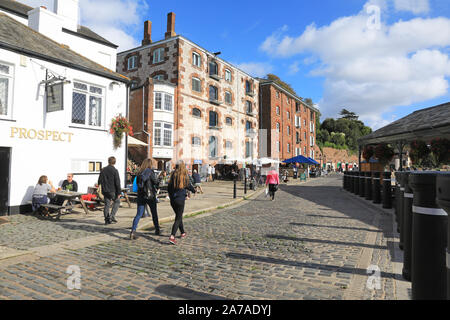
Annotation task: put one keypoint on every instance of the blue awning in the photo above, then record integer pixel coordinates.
(299, 159)
(313, 161)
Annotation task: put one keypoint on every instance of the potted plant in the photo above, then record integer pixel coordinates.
(119, 126)
(418, 152)
(384, 153)
(440, 149)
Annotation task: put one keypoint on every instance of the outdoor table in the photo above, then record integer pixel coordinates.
(125, 194)
(69, 195)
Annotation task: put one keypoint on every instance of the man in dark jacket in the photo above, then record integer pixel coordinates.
(110, 182)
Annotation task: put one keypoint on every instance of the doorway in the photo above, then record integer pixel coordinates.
(5, 156)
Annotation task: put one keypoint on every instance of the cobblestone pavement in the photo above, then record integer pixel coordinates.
(315, 241)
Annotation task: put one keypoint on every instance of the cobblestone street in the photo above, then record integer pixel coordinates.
(315, 241)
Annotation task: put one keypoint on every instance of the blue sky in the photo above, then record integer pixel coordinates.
(333, 51)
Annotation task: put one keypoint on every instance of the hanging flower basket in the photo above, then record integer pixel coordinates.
(441, 151)
(368, 152)
(384, 153)
(119, 126)
(418, 152)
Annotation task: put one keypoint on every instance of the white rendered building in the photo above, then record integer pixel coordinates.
(56, 107)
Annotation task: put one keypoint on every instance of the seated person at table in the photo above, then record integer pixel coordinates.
(40, 192)
(67, 185)
(70, 184)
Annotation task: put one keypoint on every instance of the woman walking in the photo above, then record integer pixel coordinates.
(147, 183)
(178, 184)
(273, 180)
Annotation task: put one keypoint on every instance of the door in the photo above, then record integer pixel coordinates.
(5, 154)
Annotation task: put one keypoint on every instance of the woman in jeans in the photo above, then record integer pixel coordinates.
(178, 184)
(146, 176)
(273, 180)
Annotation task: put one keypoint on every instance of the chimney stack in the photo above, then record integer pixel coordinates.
(147, 33)
(170, 26)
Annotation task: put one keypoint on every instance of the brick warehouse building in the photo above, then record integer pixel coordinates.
(287, 122)
(215, 103)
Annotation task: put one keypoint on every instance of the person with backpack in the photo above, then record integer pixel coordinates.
(178, 184)
(147, 183)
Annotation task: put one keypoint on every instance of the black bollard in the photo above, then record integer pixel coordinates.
(407, 227)
(400, 207)
(344, 181)
(387, 195)
(376, 188)
(362, 183)
(368, 187)
(234, 189)
(352, 182)
(356, 186)
(245, 185)
(397, 195)
(443, 200)
(429, 240)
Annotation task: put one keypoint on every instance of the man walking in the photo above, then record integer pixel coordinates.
(109, 181)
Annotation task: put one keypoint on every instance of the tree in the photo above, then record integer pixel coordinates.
(348, 115)
(283, 84)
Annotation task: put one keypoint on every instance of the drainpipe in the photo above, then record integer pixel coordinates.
(143, 121)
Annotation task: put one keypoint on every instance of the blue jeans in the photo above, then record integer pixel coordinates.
(140, 211)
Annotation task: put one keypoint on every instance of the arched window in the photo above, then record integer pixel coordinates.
(248, 125)
(213, 93)
(213, 68)
(212, 147)
(213, 119)
(278, 127)
(196, 113)
(228, 97)
(229, 121)
(248, 86)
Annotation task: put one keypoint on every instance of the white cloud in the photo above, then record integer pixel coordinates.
(256, 69)
(414, 6)
(109, 18)
(371, 71)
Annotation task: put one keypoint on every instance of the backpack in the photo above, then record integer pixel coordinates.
(145, 188)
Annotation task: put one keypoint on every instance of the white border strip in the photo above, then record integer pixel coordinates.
(408, 195)
(448, 259)
(429, 211)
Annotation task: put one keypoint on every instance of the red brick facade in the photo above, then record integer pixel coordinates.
(278, 110)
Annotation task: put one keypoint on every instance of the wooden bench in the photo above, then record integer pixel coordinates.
(55, 207)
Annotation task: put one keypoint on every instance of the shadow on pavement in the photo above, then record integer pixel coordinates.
(334, 227)
(185, 293)
(332, 268)
(334, 198)
(350, 244)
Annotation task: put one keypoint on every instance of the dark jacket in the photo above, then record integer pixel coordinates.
(149, 177)
(110, 181)
(197, 178)
(179, 194)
